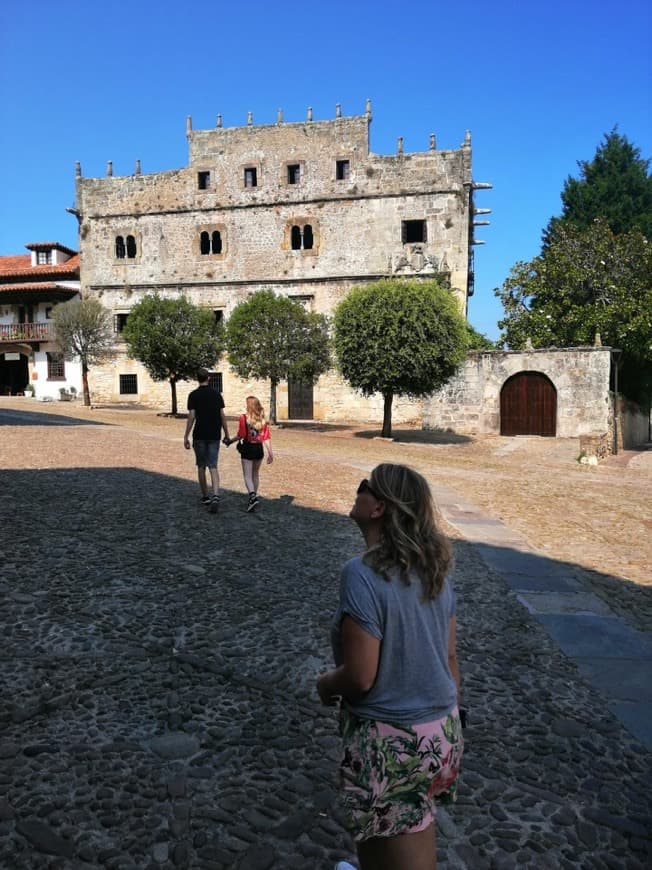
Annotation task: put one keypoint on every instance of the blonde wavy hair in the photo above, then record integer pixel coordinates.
(410, 538)
(255, 413)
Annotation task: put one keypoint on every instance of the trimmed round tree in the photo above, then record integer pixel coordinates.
(274, 338)
(399, 338)
(173, 338)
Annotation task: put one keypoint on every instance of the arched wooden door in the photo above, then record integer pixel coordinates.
(528, 405)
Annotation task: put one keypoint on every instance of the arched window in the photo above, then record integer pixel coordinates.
(307, 237)
(120, 248)
(131, 247)
(216, 242)
(296, 238)
(204, 243)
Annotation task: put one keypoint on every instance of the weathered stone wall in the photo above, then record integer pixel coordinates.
(356, 222)
(470, 402)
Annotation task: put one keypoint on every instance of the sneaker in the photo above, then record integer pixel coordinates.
(344, 865)
(206, 499)
(252, 504)
(214, 504)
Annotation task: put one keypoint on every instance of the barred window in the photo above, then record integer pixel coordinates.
(120, 321)
(215, 381)
(56, 367)
(128, 385)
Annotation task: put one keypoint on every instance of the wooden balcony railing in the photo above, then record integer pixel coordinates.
(25, 332)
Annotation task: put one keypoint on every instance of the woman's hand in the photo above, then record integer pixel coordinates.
(270, 457)
(323, 690)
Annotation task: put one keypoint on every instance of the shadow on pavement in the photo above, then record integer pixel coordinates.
(12, 417)
(159, 666)
(419, 436)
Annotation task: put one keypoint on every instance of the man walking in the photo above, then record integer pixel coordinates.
(206, 414)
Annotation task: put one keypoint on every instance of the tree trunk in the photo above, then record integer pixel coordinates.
(173, 390)
(272, 401)
(387, 415)
(85, 390)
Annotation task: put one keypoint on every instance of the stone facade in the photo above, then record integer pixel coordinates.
(470, 402)
(305, 209)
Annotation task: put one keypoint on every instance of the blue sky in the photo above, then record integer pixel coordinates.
(537, 85)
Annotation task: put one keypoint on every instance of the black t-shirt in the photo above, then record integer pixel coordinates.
(207, 404)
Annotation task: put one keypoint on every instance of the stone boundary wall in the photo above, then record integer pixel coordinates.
(470, 402)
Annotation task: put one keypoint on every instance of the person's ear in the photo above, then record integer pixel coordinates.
(379, 511)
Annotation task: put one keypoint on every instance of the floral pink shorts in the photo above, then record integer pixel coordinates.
(393, 775)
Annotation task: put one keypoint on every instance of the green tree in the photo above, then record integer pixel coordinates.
(615, 186)
(83, 331)
(399, 338)
(478, 340)
(173, 338)
(586, 282)
(274, 338)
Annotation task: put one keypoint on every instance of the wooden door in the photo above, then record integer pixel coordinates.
(300, 400)
(528, 405)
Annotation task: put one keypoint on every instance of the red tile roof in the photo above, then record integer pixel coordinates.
(47, 246)
(19, 266)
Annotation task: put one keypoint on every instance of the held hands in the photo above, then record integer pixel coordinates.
(227, 441)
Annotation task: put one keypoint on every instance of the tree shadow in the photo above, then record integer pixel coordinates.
(418, 436)
(13, 417)
(132, 613)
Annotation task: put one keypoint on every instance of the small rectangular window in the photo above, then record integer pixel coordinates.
(203, 180)
(219, 315)
(294, 173)
(342, 170)
(215, 381)
(119, 322)
(43, 258)
(48, 312)
(414, 231)
(128, 385)
(251, 177)
(56, 367)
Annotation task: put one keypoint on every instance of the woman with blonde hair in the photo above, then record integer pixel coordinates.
(253, 433)
(396, 674)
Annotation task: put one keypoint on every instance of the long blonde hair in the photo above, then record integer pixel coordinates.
(410, 538)
(255, 414)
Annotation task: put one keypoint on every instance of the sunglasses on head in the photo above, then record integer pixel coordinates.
(365, 486)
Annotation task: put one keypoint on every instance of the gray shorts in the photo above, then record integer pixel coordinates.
(206, 453)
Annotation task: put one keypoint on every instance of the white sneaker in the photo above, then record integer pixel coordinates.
(344, 865)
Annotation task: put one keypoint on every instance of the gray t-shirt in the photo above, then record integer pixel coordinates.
(414, 683)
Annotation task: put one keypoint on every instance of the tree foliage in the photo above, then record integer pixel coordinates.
(399, 338)
(614, 186)
(274, 338)
(478, 340)
(173, 338)
(83, 331)
(586, 282)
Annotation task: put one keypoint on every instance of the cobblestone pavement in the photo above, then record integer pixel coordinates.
(158, 706)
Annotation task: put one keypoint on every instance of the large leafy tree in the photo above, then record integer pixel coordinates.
(615, 186)
(173, 338)
(586, 282)
(399, 338)
(83, 331)
(274, 338)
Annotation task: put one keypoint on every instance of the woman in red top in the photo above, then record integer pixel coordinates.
(253, 433)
